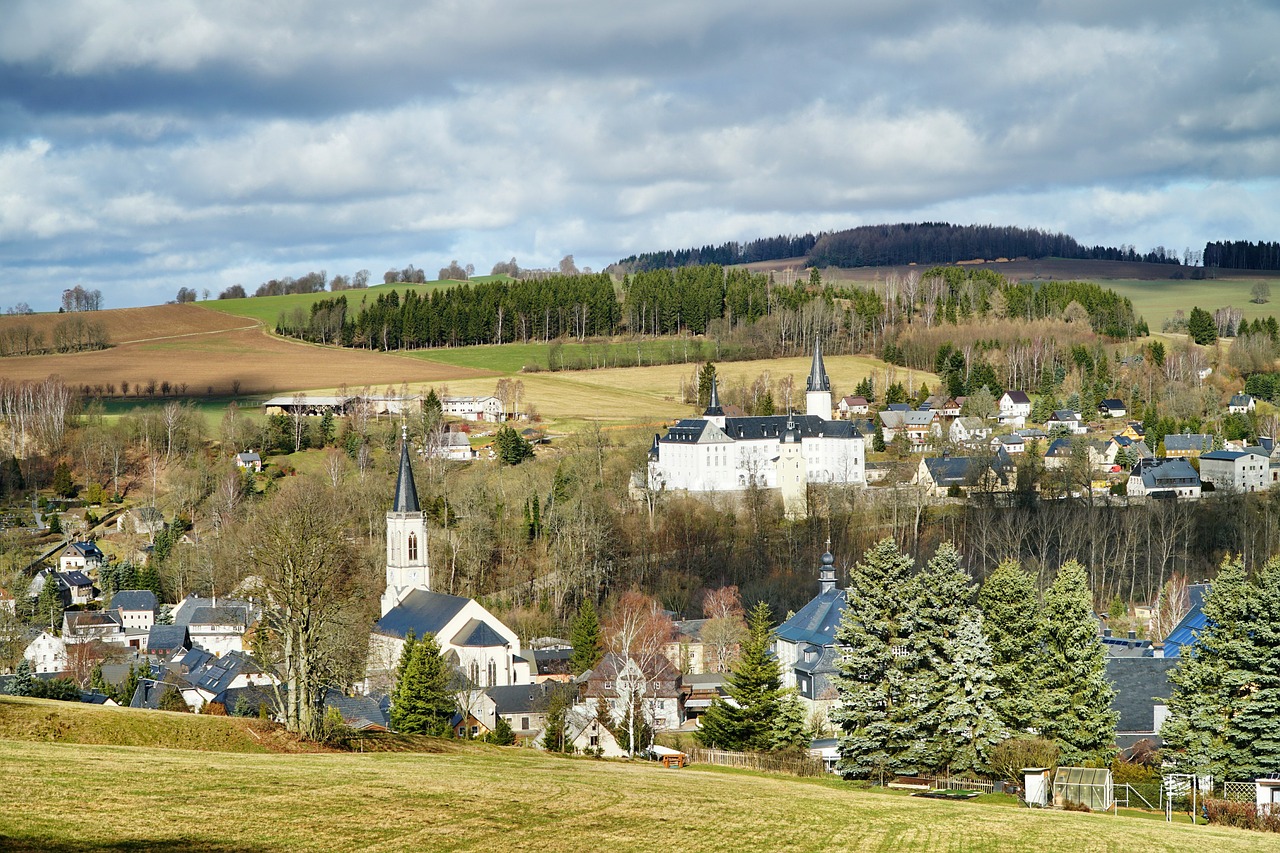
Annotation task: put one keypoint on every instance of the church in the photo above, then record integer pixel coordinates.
(805, 644)
(716, 453)
(474, 642)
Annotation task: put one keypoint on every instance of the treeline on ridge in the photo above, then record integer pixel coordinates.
(700, 300)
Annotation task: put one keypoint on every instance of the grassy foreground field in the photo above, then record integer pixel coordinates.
(259, 793)
(497, 799)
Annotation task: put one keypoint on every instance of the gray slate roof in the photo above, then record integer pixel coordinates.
(523, 698)
(422, 612)
(406, 499)
(816, 622)
(1137, 680)
(1185, 442)
(479, 633)
(165, 639)
(134, 600)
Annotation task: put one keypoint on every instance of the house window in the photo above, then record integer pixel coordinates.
(595, 741)
(524, 724)
(413, 546)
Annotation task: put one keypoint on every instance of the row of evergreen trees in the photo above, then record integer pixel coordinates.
(935, 680)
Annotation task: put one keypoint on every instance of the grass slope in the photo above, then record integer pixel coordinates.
(490, 798)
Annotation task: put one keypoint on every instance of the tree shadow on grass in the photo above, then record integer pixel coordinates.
(28, 844)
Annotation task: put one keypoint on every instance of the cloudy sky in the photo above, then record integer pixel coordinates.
(149, 145)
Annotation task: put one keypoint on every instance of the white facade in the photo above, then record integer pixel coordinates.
(473, 408)
(1236, 470)
(46, 653)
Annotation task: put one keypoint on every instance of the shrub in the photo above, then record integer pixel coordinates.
(1241, 815)
(1012, 755)
(1073, 806)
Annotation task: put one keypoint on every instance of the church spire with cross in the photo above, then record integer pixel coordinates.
(407, 566)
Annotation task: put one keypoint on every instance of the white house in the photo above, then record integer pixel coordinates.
(920, 427)
(1164, 478)
(1245, 470)
(1241, 404)
(85, 556)
(1015, 408)
(249, 461)
(474, 641)
(143, 519)
(216, 625)
(1112, 408)
(46, 653)
(969, 430)
(1012, 443)
(1066, 419)
(487, 408)
(136, 608)
(452, 445)
(851, 406)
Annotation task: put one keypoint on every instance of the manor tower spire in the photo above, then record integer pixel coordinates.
(817, 398)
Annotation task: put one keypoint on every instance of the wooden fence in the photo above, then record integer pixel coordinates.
(795, 765)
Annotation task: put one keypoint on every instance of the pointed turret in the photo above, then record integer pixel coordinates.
(406, 499)
(817, 398)
(818, 379)
(713, 405)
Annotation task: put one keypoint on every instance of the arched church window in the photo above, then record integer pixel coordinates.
(413, 546)
(493, 673)
(475, 673)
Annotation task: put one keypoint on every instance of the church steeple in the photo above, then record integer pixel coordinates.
(406, 499)
(407, 567)
(827, 573)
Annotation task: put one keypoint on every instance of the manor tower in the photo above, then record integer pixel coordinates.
(407, 567)
(817, 398)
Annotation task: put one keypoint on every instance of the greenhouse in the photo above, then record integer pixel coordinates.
(1088, 785)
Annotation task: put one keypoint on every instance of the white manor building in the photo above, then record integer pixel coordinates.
(716, 453)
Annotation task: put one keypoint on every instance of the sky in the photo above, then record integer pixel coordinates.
(149, 145)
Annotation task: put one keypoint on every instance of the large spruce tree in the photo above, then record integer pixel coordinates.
(1214, 681)
(752, 719)
(1011, 623)
(1075, 696)
(878, 712)
(421, 702)
(586, 638)
(968, 723)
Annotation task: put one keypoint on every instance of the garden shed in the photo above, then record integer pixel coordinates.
(1091, 786)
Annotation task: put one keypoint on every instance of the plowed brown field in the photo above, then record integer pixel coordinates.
(133, 324)
(207, 358)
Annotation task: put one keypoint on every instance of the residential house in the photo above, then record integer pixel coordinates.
(1246, 470)
(1030, 434)
(523, 706)
(938, 475)
(150, 691)
(969, 431)
(899, 407)
(589, 735)
(249, 461)
(1167, 478)
(1015, 408)
(1128, 646)
(166, 641)
(143, 520)
(480, 408)
(1187, 445)
(550, 664)
(1241, 404)
(1058, 455)
(217, 625)
(1134, 430)
(1011, 444)
(1141, 699)
(77, 587)
(617, 678)
(701, 689)
(359, 713)
(455, 446)
(1067, 420)
(46, 653)
(211, 675)
(687, 650)
(920, 428)
(83, 626)
(850, 406)
(805, 644)
(950, 408)
(136, 608)
(1121, 447)
(84, 556)
(1112, 408)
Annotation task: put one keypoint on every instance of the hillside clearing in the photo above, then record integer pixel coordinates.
(133, 324)
(490, 798)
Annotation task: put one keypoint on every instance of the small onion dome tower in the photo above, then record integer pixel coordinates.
(827, 571)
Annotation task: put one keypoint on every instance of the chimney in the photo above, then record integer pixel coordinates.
(1133, 635)
(1106, 632)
